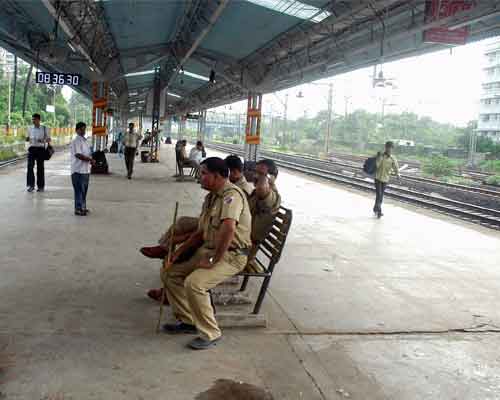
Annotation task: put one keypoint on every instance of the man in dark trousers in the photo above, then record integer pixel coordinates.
(81, 161)
(130, 141)
(38, 136)
(386, 163)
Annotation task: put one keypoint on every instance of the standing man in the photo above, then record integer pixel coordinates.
(386, 163)
(222, 242)
(81, 162)
(38, 136)
(130, 141)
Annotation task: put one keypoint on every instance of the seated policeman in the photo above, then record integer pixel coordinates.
(222, 242)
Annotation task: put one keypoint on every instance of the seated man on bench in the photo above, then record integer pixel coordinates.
(221, 245)
(264, 202)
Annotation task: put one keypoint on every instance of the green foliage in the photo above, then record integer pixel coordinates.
(438, 166)
(363, 132)
(7, 154)
(491, 166)
(493, 180)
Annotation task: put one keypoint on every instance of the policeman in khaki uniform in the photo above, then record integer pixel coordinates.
(236, 174)
(264, 204)
(222, 241)
(187, 225)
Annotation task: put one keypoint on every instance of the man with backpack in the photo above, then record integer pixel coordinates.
(38, 137)
(385, 163)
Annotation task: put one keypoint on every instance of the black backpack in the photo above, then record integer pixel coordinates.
(101, 164)
(370, 166)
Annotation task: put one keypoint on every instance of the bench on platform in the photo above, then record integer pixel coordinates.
(180, 166)
(268, 255)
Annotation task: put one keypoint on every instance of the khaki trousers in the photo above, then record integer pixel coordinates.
(183, 226)
(187, 289)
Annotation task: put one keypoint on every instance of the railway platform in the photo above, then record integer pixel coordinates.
(403, 308)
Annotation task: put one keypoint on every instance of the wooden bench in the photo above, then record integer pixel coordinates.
(268, 255)
(179, 167)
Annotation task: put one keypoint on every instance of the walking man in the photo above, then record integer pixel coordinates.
(386, 163)
(130, 141)
(81, 162)
(38, 136)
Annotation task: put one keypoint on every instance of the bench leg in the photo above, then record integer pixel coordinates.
(262, 294)
(244, 284)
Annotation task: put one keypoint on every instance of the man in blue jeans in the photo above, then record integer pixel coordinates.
(81, 161)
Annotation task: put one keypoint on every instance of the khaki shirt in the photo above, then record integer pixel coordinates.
(243, 184)
(131, 139)
(228, 203)
(386, 164)
(263, 212)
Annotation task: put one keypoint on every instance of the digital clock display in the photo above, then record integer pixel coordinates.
(52, 78)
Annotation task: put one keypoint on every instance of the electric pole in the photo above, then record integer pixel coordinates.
(329, 121)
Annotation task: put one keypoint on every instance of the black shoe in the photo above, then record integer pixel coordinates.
(380, 214)
(80, 213)
(179, 327)
(30, 189)
(41, 190)
(129, 177)
(203, 344)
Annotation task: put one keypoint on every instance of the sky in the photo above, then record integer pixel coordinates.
(444, 85)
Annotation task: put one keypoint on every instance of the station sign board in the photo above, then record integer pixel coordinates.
(440, 9)
(53, 78)
(192, 116)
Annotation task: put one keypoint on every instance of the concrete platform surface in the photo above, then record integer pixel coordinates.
(399, 308)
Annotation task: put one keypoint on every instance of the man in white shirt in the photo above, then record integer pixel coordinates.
(196, 154)
(38, 136)
(81, 161)
(130, 141)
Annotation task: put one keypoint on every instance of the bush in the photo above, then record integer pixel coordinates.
(491, 166)
(493, 180)
(438, 166)
(7, 155)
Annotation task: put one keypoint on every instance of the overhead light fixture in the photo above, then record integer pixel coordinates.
(142, 101)
(133, 93)
(71, 46)
(152, 71)
(92, 69)
(196, 76)
(211, 78)
(173, 95)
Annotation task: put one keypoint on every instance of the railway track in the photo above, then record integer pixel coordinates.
(473, 174)
(469, 212)
(356, 167)
(12, 161)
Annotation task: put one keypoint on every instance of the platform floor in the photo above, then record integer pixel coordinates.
(401, 308)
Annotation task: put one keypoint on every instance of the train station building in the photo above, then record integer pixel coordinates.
(348, 305)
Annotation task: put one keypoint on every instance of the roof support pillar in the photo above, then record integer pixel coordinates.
(252, 130)
(100, 93)
(202, 122)
(155, 119)
(181, 127)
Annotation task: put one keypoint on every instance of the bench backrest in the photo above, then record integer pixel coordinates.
(273, 244)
